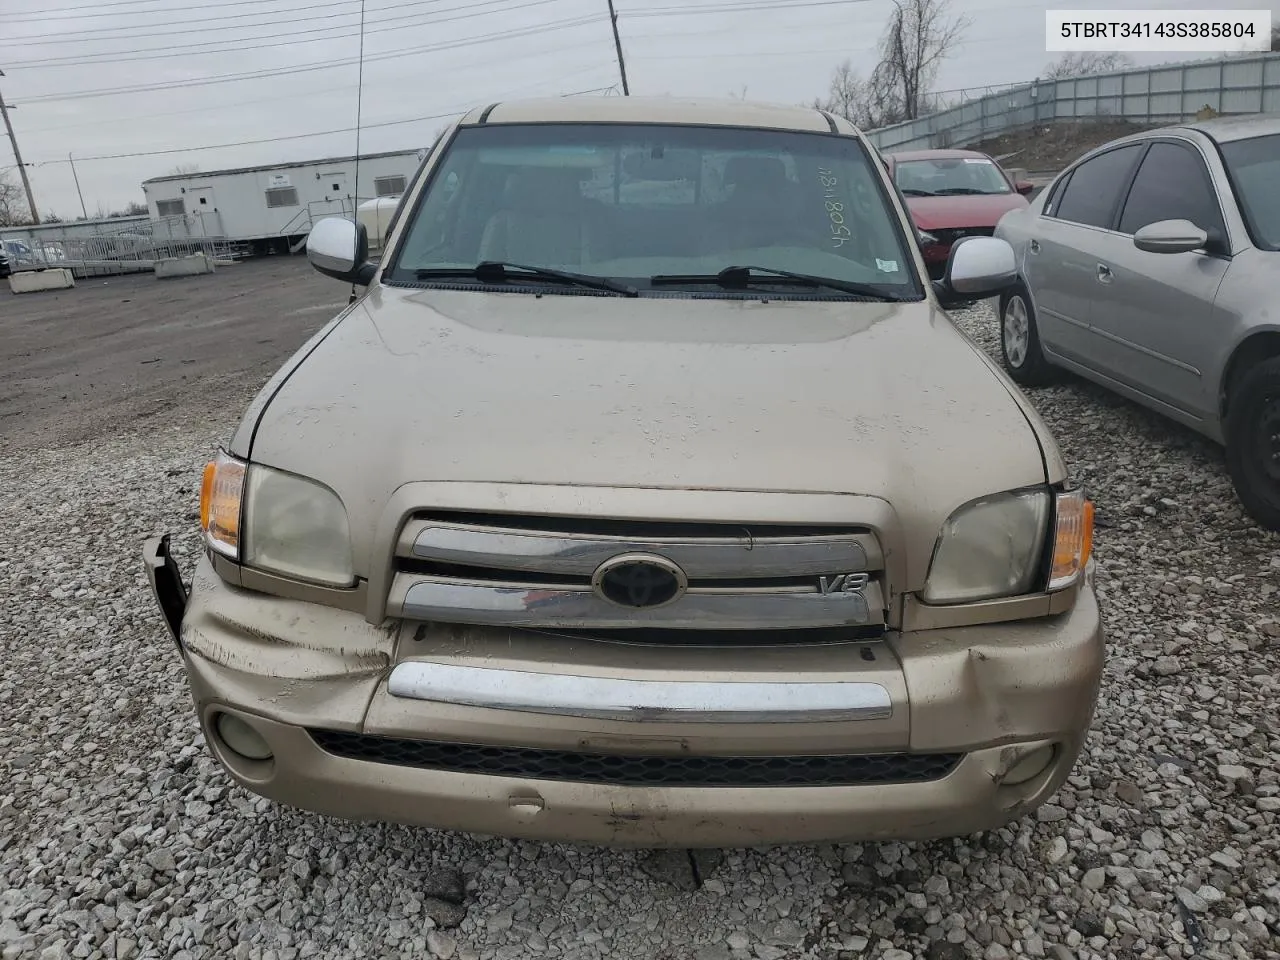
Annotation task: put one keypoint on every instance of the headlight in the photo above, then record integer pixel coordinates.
(292, 526)
(995, 547)
(990, 548)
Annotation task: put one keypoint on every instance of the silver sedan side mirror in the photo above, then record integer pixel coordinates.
(1170, 236)
(339, 248)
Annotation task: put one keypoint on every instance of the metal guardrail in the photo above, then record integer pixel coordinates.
(108, 247)
(1147, 95)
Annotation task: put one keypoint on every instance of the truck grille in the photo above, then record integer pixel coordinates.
(678, 771)
(574, 573)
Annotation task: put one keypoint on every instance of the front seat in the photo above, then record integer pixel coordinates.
(544, 220)
(762, 208)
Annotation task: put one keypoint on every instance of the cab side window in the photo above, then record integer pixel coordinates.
(1172, 184)
(1092, 194)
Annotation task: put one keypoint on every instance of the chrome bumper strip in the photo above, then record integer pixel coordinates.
(568, 607)
(580, 554)
(650, 700)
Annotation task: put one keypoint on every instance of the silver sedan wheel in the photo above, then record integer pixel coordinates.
(1017, 331)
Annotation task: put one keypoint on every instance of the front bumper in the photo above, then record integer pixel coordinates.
(304, 676)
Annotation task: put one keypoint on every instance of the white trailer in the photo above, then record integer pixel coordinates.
(273, 207)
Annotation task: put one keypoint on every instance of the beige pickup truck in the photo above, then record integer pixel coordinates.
(649, 497)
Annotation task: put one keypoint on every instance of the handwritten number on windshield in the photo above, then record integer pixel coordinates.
(840, 234)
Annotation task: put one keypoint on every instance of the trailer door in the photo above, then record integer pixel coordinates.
(336, 191)
(204, 211)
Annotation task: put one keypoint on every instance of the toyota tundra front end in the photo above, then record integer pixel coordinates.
(647, 497)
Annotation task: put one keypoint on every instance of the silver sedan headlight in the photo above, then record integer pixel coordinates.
(296, 528)
(991, 548)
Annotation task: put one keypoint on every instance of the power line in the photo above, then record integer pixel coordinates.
(45, 39)
(751, 54)
(738, 7)
(177, 113)
(314, 66)
(95, 34)
(78, 14)
(325, 133)
(347, 88)
(250, 143)
(719, 32)
(235, 46)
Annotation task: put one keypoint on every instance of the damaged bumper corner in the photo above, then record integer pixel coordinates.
(166, 584)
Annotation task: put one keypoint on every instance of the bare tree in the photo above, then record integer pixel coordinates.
(1086, 64)
(919, 36)
(848, 97)
(13, 203)
(184, 170)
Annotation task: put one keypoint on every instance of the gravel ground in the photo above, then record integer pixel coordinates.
(119, 837)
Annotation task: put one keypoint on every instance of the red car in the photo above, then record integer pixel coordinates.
(954, 194)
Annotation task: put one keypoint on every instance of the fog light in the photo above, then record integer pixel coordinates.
(241, 738)
(1030, 766)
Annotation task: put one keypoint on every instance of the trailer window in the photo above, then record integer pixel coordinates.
(388, 186)
(170, 208)
(282, 197)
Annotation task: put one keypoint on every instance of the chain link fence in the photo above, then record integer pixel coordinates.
(95, 248)
(1147, 95)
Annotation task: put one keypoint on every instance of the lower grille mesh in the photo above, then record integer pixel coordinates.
(680, 771)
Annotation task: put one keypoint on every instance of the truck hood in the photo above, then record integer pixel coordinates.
(949, 213)
(882, 400)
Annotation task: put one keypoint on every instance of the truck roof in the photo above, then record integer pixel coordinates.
(700, 112)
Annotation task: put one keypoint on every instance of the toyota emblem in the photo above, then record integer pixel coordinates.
(639, 581)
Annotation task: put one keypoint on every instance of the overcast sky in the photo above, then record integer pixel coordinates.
(423, 58)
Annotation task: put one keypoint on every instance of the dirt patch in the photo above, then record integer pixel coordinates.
(134, 352)
(1048, 147)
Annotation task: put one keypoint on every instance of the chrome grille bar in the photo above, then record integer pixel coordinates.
(701, 558)
(654, 700)
(456, 600)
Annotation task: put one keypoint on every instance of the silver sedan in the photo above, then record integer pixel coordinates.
(1148, 266)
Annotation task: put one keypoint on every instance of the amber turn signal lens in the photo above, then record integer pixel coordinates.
(1072, 539)
(221, 497)
(206, 493)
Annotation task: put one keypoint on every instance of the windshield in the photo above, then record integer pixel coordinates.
(950, 177)
(1254, 165)
(629, 202)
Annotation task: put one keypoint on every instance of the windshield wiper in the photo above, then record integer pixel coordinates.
(744, 276)
(913, 192)
(499, 271)
(964, 191)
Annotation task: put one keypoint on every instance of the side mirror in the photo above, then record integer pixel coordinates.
(1170, 236)
(978, 267)
(339, 248)
(1025, 187)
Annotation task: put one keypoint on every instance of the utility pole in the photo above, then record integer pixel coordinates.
(617, 43)
(17, 156)
(76, 177)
